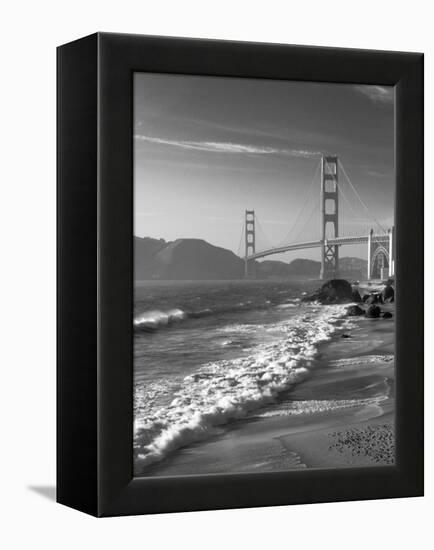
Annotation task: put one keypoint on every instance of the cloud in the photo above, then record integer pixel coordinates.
(377, 94)
(227, 147)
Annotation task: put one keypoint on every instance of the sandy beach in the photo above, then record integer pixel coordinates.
(341, 416)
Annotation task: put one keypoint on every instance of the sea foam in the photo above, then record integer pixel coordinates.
(151, 320)
(364, 360)
(315, 406)
(231, 389)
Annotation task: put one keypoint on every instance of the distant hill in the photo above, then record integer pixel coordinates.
(145, 251)
(353, 268)
(196, 259)
(350, 268)
(184, 259)
(269, 269)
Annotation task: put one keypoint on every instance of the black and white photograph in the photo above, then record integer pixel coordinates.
(264, 275)
(216, 224)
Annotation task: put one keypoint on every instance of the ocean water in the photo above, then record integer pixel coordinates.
(210, 353)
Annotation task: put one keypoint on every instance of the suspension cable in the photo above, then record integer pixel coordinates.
(306, 222)
(241, 240)
(371, 217)
(307, 197)
(341, 191)
(266, 238)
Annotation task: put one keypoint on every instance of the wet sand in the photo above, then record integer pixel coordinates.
(341, 416)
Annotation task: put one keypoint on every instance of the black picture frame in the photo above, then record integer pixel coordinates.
(95, 273)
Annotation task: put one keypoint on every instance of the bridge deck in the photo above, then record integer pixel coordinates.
(339, 241)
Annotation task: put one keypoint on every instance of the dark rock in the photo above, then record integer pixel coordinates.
(388, 294)
(373, 298)
(373, 312)
(355, 295)
(311, 297)
(346, 336)
(354, 311)
(387, 315)
(336, 291)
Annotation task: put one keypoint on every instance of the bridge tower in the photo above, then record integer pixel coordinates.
(329, 216)
(249, 265)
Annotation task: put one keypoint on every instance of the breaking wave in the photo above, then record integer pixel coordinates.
(155, 319)
(231, 389)
(151, 320)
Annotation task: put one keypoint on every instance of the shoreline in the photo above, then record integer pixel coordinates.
(341, 416)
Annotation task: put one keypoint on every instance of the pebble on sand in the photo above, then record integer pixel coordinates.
(375, 441)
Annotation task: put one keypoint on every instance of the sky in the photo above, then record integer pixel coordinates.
(208, 148)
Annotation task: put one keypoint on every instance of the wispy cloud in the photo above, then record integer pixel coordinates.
(377, 94)
(227, 147)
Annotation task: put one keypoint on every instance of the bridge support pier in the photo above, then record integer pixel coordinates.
(381, 260)
(250, 236)
(369, 254)
(329, 215)
(391, 253)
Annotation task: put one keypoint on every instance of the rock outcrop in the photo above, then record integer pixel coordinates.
(373, 312)
(372, 298)
(356, 296)
(355, 311)
(335, 291)
(388, 294)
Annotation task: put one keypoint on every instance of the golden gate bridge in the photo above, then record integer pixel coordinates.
(379, 243)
